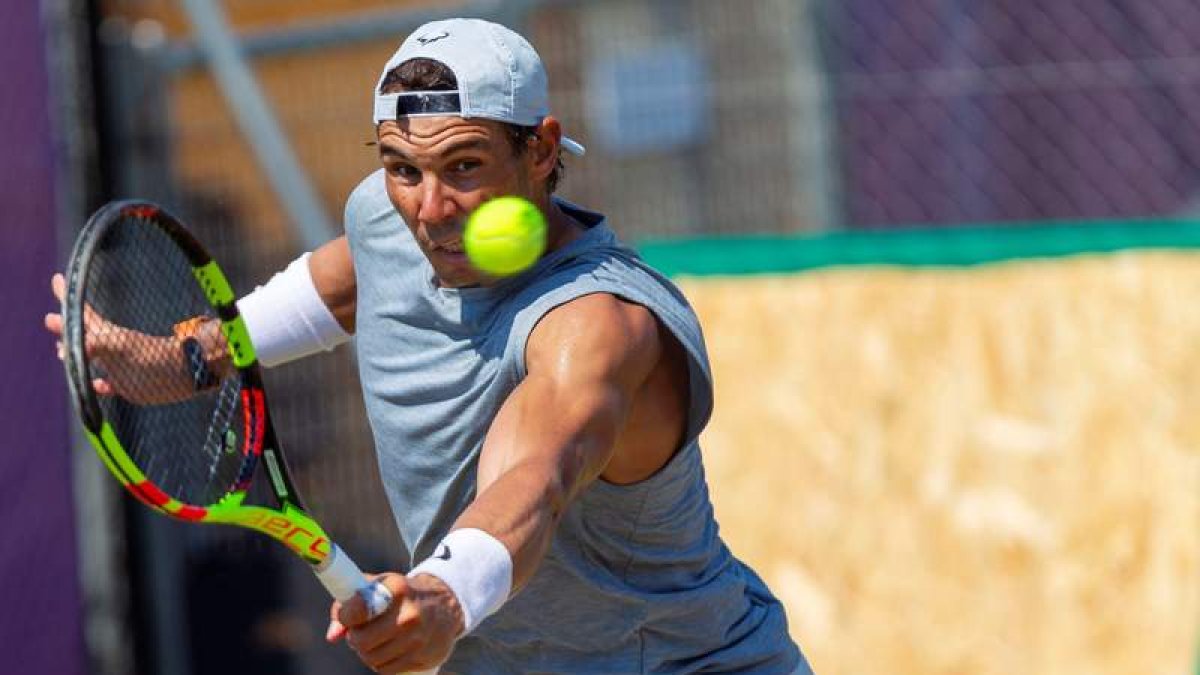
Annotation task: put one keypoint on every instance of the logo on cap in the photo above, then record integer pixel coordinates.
(426, 39)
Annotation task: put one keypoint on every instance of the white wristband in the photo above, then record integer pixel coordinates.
(287, 319)
(477, 567)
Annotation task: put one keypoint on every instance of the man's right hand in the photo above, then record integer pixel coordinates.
(141, 368)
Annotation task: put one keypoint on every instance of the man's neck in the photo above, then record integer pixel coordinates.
(562, 229)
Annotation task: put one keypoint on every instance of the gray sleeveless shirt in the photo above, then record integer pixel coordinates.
(636, 579)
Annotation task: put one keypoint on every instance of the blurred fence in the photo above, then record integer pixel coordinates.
(1015, 109)
(716, 116)
(702, 117)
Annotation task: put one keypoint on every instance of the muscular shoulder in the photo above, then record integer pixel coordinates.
(597, 335)
(599, 349)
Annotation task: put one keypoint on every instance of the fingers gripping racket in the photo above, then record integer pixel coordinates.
(183, 437)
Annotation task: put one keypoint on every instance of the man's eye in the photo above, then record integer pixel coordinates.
(466, 165)
(402, 171)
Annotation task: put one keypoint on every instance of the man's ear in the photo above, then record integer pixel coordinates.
(544, 152)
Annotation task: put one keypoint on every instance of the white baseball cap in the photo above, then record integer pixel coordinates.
(500, 76)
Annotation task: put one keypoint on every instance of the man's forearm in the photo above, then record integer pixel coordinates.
(521, 509)
(500, 540)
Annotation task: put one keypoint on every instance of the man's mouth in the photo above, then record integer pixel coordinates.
(451, 252)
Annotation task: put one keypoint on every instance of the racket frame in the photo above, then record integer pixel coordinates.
(290, 524)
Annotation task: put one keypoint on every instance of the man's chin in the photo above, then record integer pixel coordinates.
(453, 269)
(458, 278)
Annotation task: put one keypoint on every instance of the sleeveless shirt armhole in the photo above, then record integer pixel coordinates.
(368, 203)
(700, 385)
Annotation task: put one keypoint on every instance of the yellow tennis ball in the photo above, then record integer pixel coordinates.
(505, 236)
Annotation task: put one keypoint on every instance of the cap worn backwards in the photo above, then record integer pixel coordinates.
(500, 76)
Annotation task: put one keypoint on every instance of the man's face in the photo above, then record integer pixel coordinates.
(439, 169)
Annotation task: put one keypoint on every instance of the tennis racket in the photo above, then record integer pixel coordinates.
(144, 307)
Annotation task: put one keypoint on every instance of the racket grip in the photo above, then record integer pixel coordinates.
(343, 579)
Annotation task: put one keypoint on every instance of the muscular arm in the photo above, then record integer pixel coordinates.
(556, 432)
(332, 271)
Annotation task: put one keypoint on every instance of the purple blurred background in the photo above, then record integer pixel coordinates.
(1016, 109)
(40, 628)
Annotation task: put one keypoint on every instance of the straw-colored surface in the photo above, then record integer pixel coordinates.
(986, 471)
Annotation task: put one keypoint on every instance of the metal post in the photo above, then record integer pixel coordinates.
(131, 143)
(814, 131)
(258, 124)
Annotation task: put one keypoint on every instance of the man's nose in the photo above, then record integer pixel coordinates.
(436, 205)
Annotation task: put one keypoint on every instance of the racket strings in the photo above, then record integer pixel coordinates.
(186, 438)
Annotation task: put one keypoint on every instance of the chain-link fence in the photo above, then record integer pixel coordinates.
(1007, 110)
(716, 117)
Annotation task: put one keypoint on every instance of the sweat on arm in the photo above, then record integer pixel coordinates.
(556, 433)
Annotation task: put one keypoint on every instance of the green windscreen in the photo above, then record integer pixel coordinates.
(950, 246)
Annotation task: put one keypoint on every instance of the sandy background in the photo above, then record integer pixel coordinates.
(974, 470)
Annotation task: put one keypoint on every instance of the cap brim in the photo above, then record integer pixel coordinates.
(572, 146)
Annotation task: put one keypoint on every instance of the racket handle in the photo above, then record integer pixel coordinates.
(343, 579)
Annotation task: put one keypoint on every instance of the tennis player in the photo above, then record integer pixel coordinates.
(536, 435)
